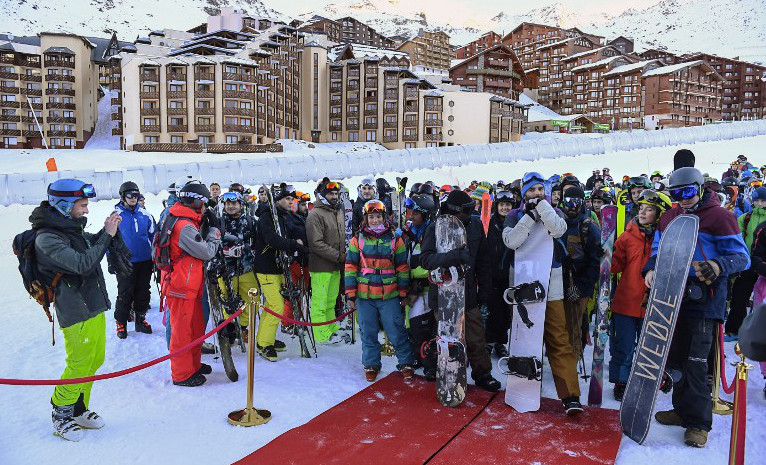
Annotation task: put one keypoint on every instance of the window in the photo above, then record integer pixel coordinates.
(176, 139)
(353, 137)
(151, 139)
(334, 136)
(371, 136)
(231, 139)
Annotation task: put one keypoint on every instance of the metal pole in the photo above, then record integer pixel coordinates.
(737, 443)
(250, 416)
(37, 123)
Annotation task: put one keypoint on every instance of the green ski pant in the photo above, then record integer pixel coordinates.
(85, 344)
(324, 293)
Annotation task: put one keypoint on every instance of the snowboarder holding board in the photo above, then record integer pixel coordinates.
(720, 252)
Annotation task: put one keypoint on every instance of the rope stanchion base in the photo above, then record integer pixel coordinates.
(249, 417)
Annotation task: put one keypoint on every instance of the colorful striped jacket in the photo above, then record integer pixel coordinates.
(379, 270)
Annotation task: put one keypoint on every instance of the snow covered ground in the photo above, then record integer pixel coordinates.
(151, 421)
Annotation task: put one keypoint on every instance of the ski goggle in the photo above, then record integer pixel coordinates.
(369, 182)
(332, 186)
(87, 191)
(374, 206)
(755, 183)
(684, 192)
(639, 181)
(410, 204)
(572, 203)
(504, 196)
(532, 177)
(233, 196)
(132, 195)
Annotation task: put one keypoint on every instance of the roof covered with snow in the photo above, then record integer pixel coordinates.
(596, 64)
(628, 68)
(673, 68)
(365, 51)
(538, 112)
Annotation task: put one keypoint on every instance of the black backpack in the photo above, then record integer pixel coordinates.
(161, 243)
(40, 286)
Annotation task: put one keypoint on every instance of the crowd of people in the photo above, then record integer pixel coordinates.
(374, 256)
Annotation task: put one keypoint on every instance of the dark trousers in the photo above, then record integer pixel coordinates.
(499, 320)
(740, 296)
(622, 346)
(133, 292)
(423, 329)
(476, 344)
(689, 351)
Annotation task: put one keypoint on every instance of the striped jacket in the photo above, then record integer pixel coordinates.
(379, 270)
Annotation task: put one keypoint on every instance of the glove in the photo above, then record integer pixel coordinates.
(530, 208)
(707, 271)
(210, 218)
(229, 239)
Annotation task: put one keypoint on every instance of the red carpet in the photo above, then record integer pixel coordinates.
(389, 422)
(500, 435)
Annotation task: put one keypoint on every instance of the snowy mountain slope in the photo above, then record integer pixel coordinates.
(129, 18)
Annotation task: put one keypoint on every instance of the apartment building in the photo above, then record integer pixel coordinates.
(685, 94)
(49, 89)
(623, 95)
(527, 38)
(496, 70)
(665, 57)
(428, 49)
(588, 89)
(346, 31)
(743, 96)
(623, 44)
(551, 66)
(224, 90)
(364, 94)
(487, 40)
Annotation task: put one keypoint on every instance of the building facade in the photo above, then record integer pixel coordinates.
(527, 38)
(496, 70)
(428, 49)
(347, 31)
(487, 40)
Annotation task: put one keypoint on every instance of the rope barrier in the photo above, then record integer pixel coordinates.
(727, 389)
(305, 323)
(116, 374)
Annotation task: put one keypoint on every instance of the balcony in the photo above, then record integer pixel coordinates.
(436, 108)
(352, 114)
(336, 90)
(204, 94)
(390, 139)
(351, 87)
(234, 111)
(59, 77)
(204, 111)
(367, 125)
(371, 84)
(117, 131)
(62, 134)
(58, 64)
(58, 106)
(200, 128)
(240, 77)
(29, 63)
(149, 77)
(11, 76)
(390, 124)
(262, 99)
(150, 111)
(177, 111)
(434, 123)
(204, 76)
(336, 127)
(238, 94)
(352, 127)
(149, 95)
(370, 98)
(238, 128)
(392, 83)
(178, 77)
(31, 133)
(10, 118)
(150, 128)
(352, 101)
(176, 95)
(270, 134)
(116, 101)
(410, 108)
(33, 92)
(353, 73)
(178, 128)
(411, 93)
(9, 90)
(336, 76)
(410, 123)
(432, 137)
(390, 111)
(116, 116)
(391, 96)
(53, 91)
(10, 132)
(63, 119)
(410, 137)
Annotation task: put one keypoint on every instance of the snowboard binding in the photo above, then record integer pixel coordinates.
(523, 294)
(522, 367)
(446, 276)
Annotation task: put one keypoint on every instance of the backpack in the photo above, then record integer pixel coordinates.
(161, 243)
(40, 286)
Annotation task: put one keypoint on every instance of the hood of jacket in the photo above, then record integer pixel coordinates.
(45, 216)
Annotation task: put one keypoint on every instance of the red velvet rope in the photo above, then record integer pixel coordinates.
(289, 320)
(116, 374)
(730, 388)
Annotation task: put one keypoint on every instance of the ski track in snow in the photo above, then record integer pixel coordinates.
(148, 420)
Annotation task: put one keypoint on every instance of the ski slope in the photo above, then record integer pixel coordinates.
(151, 421)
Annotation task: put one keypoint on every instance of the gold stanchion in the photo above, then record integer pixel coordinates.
(720, 406)
(250, 416)
(738, 421)
(387, 348)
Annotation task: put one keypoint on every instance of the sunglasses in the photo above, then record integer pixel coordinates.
(684, 193)
(132, 195)
(86, 191)
(572, 202)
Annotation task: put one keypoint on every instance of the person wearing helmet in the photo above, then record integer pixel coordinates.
(518, 225)
(632, 251)
(366, 191)
(592, 179)
(421, 208)
(627, 201)
(183, 285)
(499, 319)
(71, 257)
(476, 261)
(376, 282)
(134, 290)
(599, 198)
(719, 253)
(607, 176)
(326, 232)
(743, 284)
(656, 177)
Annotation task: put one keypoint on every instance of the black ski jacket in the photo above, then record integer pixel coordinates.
(268, 243)
(501, 255)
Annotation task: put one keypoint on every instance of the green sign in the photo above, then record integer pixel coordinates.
(601, 127)
(557, 122)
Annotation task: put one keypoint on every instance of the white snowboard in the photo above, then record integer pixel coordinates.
(532, 263)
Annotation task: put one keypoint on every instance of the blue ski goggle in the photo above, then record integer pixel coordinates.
(684, 193)
(87, 191)
(572, 203)
(532, 177)
(232, 197)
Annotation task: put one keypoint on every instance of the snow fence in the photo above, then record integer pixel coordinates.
(29, 188)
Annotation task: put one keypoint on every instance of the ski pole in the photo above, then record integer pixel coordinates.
(250, 416)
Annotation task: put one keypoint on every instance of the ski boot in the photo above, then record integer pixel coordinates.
(122, 331)
(572, 405)
(64, 425)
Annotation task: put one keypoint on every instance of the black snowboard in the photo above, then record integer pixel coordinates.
(224, 340)
(673, 261)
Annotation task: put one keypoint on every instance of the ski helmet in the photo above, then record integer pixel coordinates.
(729, 181)
(686, 176)
(657, 199)
(423, 203)
(128, 186)
(374, 206)
(283, 191)
(602, 194)
(415, 188)
(759, 193)
(194, 194)
(62, 194)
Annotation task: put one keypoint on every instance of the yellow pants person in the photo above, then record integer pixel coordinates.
(241, 285)
(270, 286)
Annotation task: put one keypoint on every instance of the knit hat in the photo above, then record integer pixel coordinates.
(458, 198)
(683, 158)
(574, 191)
(529, 180)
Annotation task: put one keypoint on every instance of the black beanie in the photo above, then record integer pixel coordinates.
(683, 158)
(458, 198)
(574, 191)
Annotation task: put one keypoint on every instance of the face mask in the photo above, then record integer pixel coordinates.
(379, 229)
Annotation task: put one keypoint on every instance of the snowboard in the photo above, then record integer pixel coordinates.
(601, 334)
(217, 313)
(348, 213)
(532, 263)
(674, 258)
(451, 376)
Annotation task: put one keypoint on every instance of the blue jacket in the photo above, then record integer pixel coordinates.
(137, 228)
(742, 206)
(718, 239)
(172, 199)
